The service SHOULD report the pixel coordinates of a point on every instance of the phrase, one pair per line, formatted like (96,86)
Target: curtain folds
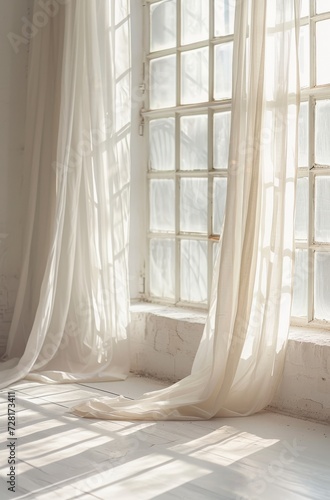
(241,355)
(72,307)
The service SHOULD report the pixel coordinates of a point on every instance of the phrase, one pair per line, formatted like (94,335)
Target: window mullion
(177,154)
(145,273)
(177,208)
(311,184)
(178,54)
(210,200)
(312,47)
(211,51)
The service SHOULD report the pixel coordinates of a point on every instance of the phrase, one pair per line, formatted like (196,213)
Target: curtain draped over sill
(71,312)
(241,355)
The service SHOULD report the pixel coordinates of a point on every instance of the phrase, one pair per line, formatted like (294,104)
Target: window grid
(312,95)
(208,107)
(310,171)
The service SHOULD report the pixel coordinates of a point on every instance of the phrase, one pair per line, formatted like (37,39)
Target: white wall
(13,72)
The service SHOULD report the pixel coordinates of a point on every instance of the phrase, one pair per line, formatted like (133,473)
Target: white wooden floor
(267,456)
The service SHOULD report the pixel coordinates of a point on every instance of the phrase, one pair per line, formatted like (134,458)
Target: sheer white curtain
(71,312)
(240,359)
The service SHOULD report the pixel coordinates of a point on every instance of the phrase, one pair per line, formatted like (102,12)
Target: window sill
(164,341)
(315,333)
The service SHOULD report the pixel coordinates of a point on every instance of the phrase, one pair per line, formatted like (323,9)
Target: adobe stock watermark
(126,446)
(275,470)
(121,450)
(89,142)
(75,329)
(40,18)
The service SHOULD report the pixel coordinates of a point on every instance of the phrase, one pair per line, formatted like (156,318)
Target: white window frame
(310,95)
(209,108)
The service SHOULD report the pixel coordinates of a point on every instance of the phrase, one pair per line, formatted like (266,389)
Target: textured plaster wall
(305,388)
(163,343)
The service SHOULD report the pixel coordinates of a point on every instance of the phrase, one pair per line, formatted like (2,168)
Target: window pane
(322,6)
(163,82)
(322,52)
(271,14)
(224,17)
(193,205)
(162,268)
(195,76)
(223,55)
(195,21)
(193,271)
(221,139)
(300,290)
(215,251)
(162,144)
(322,286)
(219,203)
(303,56)
(270,57)
(322,132)
(303,135)
(162,203)
(322,209)
(304,61)
(163,25)
(301,226)
(193,143)
(305,8)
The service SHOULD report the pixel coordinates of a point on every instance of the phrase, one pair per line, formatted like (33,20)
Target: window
(187,113)
(311,300)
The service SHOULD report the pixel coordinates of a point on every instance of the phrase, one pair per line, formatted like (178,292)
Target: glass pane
(322,6)
(304,60)
(322,54)
(303,56)
(322,209)
(195,76)
(301,226)
(305,8)
(300,289)
(270,57)
(223,55)
(303,135)
(322,286)
(219,203)
(215,251)
(221,139)
(163,25)
(162,144)
(271,14)
(162,268)
(273,119)
(162,203)
(163,82)
(194,271)
(322,132)
(195,21)
(193,143)
(224,17)
(193,205)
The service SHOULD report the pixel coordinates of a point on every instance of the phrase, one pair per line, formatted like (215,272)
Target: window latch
(141,126)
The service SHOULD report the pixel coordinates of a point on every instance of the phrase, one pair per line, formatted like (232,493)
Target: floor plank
(265,456)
